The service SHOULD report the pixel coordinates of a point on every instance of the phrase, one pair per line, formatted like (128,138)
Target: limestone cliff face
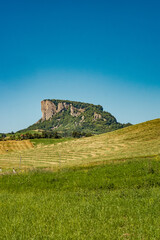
(49,109)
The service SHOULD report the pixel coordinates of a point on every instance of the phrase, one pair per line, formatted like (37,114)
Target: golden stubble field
(12,146)
(140,140)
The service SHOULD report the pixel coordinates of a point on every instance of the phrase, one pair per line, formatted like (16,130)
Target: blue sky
(96,51)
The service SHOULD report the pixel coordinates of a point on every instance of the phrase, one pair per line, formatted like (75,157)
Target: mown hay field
(14,146)
(140,140)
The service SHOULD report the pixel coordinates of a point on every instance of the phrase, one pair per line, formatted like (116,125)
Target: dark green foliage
(78,104)
(2,136)
(50,134)
(76,134)
(34,135)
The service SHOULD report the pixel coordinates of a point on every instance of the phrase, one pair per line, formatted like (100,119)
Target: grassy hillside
(141,140)
(48,141)
(109,202)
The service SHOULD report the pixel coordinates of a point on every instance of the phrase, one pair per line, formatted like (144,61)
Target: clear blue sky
(97,51)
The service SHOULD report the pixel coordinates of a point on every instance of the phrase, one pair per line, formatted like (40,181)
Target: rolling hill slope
(136,141)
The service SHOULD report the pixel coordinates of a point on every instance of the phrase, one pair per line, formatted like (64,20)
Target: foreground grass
(114,201)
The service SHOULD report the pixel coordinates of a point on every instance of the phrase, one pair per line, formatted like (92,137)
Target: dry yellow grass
(135,141)
(9,146)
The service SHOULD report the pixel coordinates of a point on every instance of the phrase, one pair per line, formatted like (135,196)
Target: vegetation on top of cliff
(76,104)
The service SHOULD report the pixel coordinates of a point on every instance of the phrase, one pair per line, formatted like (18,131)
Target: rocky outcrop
(97,116)
(75,112)
(65,117)
(62,106)
(49,109)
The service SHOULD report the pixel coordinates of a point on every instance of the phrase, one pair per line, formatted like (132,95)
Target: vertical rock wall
(49,109)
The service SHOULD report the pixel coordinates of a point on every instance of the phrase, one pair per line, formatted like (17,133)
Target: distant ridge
(67,116)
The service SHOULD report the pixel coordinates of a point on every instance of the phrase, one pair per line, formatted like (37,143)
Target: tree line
(44,134)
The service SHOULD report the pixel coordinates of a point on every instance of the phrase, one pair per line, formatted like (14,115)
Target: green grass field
(113,201)
(101,187)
